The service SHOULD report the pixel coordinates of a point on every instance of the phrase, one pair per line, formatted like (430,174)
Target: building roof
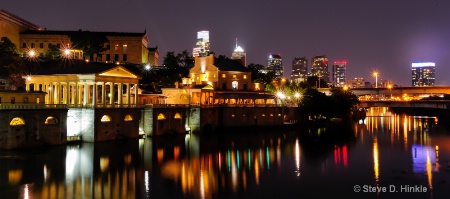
(64,66)
(229,65)
(275,56)
(6,16)
(68,32)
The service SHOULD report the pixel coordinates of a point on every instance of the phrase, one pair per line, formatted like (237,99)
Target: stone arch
(128,118)
(51,120)
(105,118)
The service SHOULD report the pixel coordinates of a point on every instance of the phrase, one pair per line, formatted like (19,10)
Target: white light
(147,67)
(28,78)
(423,64)
(238,49)
(31,53)
(67,51)
(297,95)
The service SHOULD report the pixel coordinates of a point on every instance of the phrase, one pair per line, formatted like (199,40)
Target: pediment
(118,71)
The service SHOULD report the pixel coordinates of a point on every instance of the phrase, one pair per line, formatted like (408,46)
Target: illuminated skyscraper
(319,67)
(423,74)
(275,64)
(338,72)
(299,69)
(239,55)
(201,48)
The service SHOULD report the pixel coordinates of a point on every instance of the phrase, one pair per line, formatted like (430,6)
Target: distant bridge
(438,104)
(402,90)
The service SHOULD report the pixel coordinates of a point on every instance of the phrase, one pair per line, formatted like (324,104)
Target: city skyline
(385,36)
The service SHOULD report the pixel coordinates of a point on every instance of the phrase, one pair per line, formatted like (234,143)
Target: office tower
(423,74)
(299,69)
(319,67)
(357,82)
(275,64)
(239,55)
(338,73)
(201,48)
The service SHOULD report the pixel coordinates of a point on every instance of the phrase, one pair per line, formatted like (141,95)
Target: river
(386,155)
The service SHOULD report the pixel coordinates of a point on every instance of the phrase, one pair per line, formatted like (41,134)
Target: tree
(258,76)
(343,102)
(90,42)
(11,65)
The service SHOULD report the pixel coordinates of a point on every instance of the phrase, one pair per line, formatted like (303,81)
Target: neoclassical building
(79,83)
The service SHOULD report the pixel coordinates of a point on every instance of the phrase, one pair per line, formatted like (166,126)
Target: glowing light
(423,64)
(29,78)
(17,121)
(31,53)
(147,67)
(67,52)
(375,160)
(297,95)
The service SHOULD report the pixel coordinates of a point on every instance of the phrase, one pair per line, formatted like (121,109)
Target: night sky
(383,35)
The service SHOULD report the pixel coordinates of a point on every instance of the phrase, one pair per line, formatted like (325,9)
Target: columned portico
(82,90)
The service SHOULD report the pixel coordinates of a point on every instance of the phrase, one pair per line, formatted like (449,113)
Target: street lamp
(376,79)
(390,89)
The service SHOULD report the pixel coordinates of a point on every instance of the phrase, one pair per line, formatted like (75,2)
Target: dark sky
(383,35)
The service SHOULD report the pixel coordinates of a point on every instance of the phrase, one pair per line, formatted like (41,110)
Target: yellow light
(67,51)
(31,53)
(345,87)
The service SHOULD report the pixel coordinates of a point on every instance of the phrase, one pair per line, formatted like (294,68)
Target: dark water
(389,152)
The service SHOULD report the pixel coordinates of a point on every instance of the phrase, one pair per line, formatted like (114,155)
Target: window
(125,48)
(116,57)
(177,116)
(41,45)
(32,45)
(108,57)
(105,118)
(128,118)
(25,100)
(49,45)
(224,86)
(17,121)
(116,47)
(24,45)
(161,116)
(214,76)
(13,100)
(223,75)
(234,84)
(41,54)
(124,56)
(51,120)
(245,87)
(245,76)
(108,46)
(234,76)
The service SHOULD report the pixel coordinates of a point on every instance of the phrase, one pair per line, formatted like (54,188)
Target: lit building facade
(338,72)
(275,64)
(357,82)
(299,69)
(202,46)
(239,55)
(34,41)
(423,74)
(319,67)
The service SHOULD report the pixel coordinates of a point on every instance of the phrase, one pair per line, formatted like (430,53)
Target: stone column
(77,93)
(103,94)
(94,94)
(136,88)
(119,95)
(128,94)
(112,92)
(85,94)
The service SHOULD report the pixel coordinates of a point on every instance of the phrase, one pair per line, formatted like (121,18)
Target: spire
(236,42)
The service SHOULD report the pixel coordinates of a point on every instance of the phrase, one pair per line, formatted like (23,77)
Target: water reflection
(381,150)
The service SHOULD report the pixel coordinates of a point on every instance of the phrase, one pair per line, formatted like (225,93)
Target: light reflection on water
(379,151)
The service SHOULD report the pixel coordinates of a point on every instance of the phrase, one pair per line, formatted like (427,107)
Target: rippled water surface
(386,156)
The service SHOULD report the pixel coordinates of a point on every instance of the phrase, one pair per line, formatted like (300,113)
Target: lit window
(271,115)
(214,76)
(232,115)
(128,118)
(17,121)
(116,47)
(177,116)
(224,76)
(125,47)
(234,76)
(105,118)
(161,116)
(245,76)
(51,120)
(264,115)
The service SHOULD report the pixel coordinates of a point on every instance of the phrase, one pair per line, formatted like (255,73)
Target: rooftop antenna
(236,42)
